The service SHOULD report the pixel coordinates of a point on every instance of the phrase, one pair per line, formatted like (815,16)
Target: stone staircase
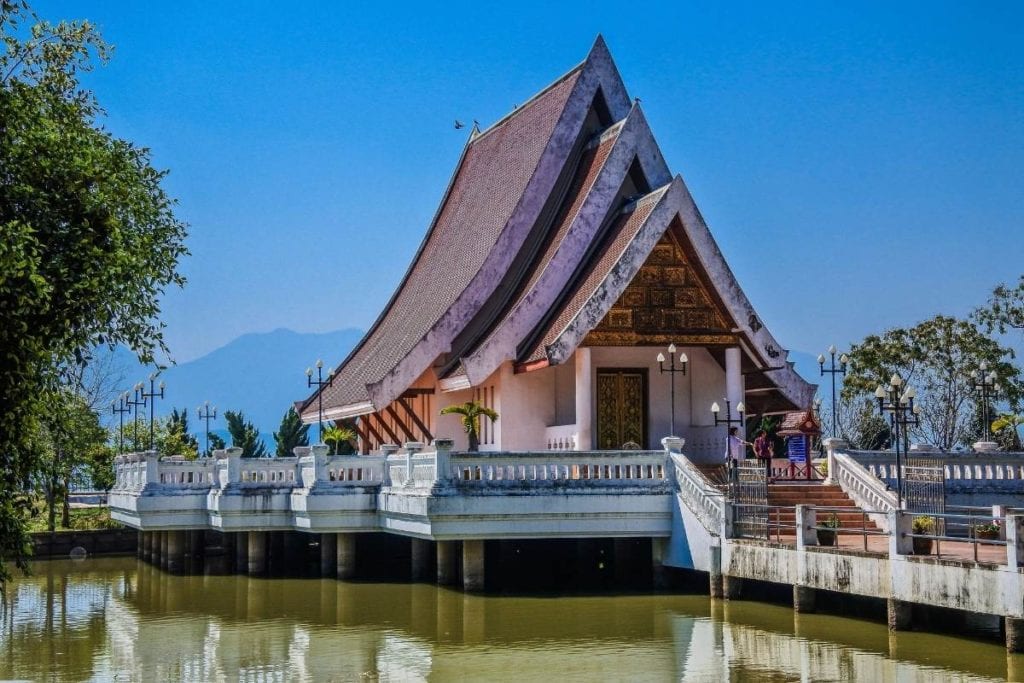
(789,495)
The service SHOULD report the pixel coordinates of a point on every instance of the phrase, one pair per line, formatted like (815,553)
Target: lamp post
(728,420)
(833,371)
(903,413)
(138,400)
(985,383)
(205,413)
(672,370)
(152,394)
(319,383)
(119,408)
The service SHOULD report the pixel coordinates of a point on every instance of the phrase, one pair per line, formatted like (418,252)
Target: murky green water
(120,620)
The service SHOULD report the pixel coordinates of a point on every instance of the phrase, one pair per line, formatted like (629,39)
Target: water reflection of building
(143,624)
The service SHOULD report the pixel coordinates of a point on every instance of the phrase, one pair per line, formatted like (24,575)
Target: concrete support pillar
(163,549)
(1014,628)
(733,377)
(420,559)
(584,400)
(197,543)
(716,585)
(346,555)
(147,546)
(257,555)
(473,565)
(241,552)
(806,520)
(732,587)
(804,599)
(447,562)
(176,551)
(328,555)
(659,572)
(900,614)
(623,560)
(140,544)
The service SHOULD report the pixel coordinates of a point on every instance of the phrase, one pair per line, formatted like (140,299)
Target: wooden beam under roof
(417,391)
(384,425)
(427,436)
(371,430)
(401,423)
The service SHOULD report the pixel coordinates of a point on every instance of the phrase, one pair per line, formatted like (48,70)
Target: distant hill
(261,374)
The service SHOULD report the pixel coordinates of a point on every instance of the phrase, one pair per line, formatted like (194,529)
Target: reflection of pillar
(473,617)
(346,555)
(473,565)
(447,562)
(257,563)
(899,614)
(584,401)
(328,555)
(420,559)
(733,377)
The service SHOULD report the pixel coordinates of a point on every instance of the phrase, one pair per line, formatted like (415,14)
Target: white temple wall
(450,426)
(528,407)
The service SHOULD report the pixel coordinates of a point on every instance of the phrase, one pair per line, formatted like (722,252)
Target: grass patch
(82,519)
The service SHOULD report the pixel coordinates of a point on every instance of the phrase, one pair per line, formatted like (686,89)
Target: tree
(1007,430)
(88,239)
(216,443)
(245,435)
(338,435)
(936,357)
(290,434)
(177,427)
(859,423)
(1004,310)
(471,412)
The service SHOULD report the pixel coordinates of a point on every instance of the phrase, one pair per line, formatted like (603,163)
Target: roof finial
(476,129)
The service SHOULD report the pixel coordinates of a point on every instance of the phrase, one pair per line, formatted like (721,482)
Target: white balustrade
(602,468)
(957,466)
(699,494)
(561,437)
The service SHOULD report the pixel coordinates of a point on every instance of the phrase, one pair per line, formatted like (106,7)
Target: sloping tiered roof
(555,219)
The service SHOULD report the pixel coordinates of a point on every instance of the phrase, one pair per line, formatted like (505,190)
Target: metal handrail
(863,530)
(972,523)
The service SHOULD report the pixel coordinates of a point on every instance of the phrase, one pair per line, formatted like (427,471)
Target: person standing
(764,451)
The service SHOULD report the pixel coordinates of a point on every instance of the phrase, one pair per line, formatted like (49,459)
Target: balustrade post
(442,461)
(307,466)
(832,444)
(1014,530)
(411,449)
(900,524)
(152,475)
(806,520)
(728,520)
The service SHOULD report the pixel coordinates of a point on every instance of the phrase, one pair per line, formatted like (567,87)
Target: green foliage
(99,466)
(168,439)
(88,239)
(290,434)
(471,412)
(936,357)
(831,521)
(216,443)
(337,435)
(922,524)
(245,435)
(1007,431)
(1004,310)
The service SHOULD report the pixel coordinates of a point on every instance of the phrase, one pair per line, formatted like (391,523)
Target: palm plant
(1010,438)
(338,435)
(471,412)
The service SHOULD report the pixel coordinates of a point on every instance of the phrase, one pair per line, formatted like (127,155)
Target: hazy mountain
(261,374)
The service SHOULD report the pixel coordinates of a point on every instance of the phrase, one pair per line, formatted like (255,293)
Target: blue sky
(859,163)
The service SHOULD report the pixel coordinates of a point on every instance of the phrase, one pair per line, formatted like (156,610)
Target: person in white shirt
(735,448)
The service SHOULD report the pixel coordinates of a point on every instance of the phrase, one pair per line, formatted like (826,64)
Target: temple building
(563,259)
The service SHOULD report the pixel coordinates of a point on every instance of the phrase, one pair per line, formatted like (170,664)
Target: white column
(733,378)
(584,400)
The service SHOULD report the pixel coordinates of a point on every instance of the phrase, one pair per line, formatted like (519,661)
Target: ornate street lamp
(319,383)
(987,386)
(728,420)
(903,413)
(138,401)
(204,412)
(120,407)
(152,394)
(833,371)
(672,370)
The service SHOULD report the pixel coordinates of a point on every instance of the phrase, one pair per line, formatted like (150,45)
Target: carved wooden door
(621,408)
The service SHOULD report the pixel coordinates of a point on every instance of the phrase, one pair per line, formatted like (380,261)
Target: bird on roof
(459,124)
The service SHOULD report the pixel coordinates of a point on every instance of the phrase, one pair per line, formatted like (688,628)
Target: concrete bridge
(451,504)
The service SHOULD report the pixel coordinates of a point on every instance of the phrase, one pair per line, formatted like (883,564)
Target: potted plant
(471,411)
(988,531)
(827,532)
(923,525)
